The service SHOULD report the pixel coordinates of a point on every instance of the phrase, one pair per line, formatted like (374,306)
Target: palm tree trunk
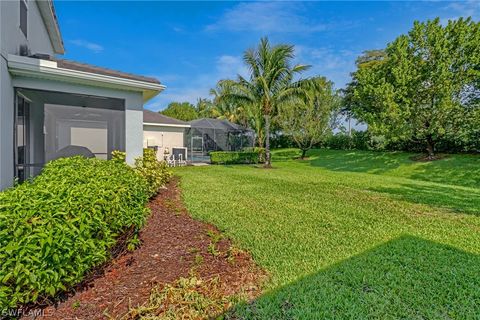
(268,163)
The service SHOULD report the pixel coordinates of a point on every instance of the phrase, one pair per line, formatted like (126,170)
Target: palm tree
(270,83)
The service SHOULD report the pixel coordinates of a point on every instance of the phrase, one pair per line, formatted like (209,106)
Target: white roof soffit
(45,69)
(166,125)
(46,11)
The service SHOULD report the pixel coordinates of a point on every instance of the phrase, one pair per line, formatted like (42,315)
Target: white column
(133,127)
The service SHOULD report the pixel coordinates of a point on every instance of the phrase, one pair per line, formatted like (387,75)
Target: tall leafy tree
(308,120)
(269,84)
(424,87)
(180,110)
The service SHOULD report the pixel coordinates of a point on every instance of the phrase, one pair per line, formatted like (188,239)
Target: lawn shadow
(458,169)
(408,278)
(458,199)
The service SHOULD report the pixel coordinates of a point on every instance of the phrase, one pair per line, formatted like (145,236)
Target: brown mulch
(172,243)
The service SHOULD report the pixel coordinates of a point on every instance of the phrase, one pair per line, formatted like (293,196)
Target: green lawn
(352,234)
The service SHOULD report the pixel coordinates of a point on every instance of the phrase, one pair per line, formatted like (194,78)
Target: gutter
(50,20)
(166,125)
(31,67)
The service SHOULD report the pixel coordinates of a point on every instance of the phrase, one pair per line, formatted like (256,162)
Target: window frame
(21,27)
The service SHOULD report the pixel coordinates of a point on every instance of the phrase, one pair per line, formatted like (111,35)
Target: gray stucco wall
(11,37)
(6,126)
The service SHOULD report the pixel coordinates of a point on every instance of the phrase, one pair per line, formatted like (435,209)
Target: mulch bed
(171,244)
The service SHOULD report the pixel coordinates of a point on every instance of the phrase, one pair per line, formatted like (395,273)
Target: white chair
(171,161)
(181,161)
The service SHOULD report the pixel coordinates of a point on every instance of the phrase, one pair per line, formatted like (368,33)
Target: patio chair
(181,161)
(171,161)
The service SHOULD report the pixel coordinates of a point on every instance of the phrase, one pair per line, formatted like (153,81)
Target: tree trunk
(304,153)
(267,142)
(430,148)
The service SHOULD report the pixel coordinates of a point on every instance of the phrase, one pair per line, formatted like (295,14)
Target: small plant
(155,172)
(198,259)
(214,236)
(133,243)
(232,252)
(213,250)
(76,305)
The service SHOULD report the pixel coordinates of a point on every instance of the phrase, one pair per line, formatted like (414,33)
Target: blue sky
(189,46)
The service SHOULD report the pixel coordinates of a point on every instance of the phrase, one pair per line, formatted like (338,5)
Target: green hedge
(231,157)
(54,229)
(260,151)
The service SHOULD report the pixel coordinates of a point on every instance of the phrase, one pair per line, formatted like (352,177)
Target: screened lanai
(206,135)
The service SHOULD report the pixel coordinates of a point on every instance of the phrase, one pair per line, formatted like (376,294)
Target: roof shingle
(155,117)
(73,65)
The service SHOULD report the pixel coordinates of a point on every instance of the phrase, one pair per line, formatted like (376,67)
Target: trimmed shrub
(155,172)
(260,151)
(231,157)
(56,228)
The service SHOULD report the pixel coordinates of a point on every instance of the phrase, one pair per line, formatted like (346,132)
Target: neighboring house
(51,107)
(163,133)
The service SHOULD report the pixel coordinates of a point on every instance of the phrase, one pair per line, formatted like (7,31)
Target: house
(163,133)
(51,107)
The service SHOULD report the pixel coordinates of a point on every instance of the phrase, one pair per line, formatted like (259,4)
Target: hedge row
(56,228)
(232,157)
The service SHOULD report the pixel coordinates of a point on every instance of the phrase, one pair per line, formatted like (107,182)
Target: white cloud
(465,8)
(88,45)
(457,9)
(229,67)
(336,65)
(266,17)
(191,88)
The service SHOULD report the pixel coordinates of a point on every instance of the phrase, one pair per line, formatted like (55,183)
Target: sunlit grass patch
(377,236)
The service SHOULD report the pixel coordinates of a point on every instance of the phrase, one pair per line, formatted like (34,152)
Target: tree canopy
(308,120)
(423,87)
(181,110)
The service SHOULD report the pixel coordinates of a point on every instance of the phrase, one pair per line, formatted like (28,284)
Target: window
(23,16)
(22,141)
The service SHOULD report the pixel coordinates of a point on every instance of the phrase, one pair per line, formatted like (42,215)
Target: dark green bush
(339,141)
(231,157)
(54,229)
(260,151)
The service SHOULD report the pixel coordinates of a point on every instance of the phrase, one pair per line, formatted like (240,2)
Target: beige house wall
(163,137)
